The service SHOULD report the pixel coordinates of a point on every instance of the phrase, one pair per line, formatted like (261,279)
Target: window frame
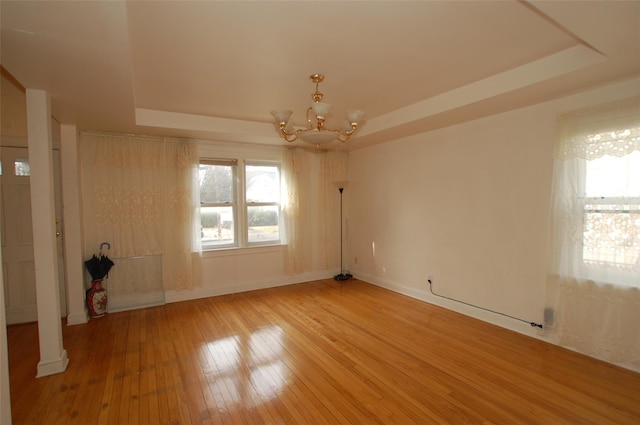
(603,270)
(233,204)
(608,244)
(590,206)
(277,204)
(240,204)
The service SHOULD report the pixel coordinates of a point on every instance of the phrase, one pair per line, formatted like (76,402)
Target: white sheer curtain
(139,195)
(594,280)
(296,171)
(311,208)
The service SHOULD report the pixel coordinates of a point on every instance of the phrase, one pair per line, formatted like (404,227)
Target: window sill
(247,250)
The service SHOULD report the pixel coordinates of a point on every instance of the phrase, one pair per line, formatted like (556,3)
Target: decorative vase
(97,299)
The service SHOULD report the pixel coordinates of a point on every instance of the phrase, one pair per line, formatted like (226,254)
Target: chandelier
(315,133)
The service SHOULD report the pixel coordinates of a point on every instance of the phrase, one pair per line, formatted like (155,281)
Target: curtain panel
(139,195)
(296,208)
(310,208)
(593,285)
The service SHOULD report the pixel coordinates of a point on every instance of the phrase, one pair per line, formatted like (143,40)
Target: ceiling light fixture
(316,133)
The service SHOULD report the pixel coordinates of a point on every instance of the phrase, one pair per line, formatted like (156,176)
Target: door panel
(23,204)
(28,280)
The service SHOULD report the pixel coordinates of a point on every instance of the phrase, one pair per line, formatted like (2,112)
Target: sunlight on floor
(265,377)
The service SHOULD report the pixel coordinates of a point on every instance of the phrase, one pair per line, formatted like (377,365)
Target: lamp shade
(354,115)
(321,109)
(281,115)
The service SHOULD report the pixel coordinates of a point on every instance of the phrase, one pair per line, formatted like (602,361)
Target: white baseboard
(77,319)
(135,301)
(426,296)
(51,367)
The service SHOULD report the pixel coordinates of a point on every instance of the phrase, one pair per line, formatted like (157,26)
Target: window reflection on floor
(247,371)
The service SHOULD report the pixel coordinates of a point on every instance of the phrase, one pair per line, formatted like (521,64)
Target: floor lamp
(342,275)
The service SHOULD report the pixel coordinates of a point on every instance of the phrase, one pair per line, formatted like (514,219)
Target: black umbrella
(99,267)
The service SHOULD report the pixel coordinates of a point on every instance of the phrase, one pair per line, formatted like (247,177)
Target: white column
(72,229)
(53,356)
(5,393)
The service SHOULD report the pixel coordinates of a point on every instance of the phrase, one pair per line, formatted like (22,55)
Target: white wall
(467,205)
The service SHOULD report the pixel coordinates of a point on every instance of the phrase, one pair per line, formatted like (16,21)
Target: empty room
(320,212)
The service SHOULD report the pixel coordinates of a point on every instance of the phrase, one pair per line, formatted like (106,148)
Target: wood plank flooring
(322,352)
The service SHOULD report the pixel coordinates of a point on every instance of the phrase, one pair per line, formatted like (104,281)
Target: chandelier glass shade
(316,133)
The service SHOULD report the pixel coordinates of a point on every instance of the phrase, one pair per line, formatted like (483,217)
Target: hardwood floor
(323,352)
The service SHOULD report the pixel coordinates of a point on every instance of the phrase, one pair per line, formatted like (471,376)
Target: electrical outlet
(549,317)
(355,260)
(430,278)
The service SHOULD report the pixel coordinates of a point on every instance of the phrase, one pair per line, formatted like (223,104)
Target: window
(612,212)
(22,167)
(239,206)
(217,203)
(596,203)
(263,203)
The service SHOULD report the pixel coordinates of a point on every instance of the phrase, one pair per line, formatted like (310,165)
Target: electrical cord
(533,324)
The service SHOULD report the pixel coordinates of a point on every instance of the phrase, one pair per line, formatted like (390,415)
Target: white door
(17,237)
